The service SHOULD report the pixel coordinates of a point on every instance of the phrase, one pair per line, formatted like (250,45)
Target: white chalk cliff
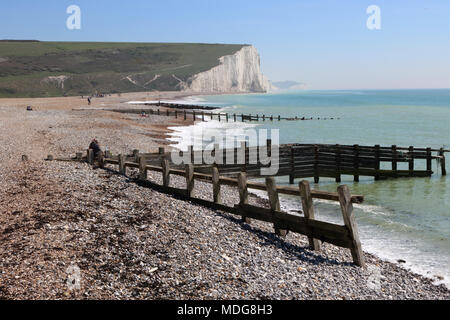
(239,72)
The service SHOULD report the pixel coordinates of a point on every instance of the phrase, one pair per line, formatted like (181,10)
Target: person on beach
(95,147)
(89,101)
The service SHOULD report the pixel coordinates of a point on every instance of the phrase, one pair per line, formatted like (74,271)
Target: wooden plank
(316,164)
(308,210)
(377,162)
(350,223)
(338,164)
(274,202)
(394,159)
(292,166)
(136,155)
(442,161)
(142,169)
(90,156)
(324,231)
(122,169)
(189,168)
(356,162)
(428,159)
(216,185)
(165,172)
(243,193)
(411,161)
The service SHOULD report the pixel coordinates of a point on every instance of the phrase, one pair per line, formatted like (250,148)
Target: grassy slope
(101,67)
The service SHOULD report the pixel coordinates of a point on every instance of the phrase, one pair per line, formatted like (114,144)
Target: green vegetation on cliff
(44,69)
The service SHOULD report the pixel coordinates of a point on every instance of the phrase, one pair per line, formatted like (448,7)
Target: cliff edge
(238,72)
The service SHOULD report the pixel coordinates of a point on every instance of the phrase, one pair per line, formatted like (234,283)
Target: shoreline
(47,205)
(398,261)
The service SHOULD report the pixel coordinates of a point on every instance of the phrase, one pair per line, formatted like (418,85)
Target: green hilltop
(46,69)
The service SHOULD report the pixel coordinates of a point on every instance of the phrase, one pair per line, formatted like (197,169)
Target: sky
(325,44)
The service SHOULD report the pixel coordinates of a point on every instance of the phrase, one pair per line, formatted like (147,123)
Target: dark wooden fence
(345,235)
(314,161)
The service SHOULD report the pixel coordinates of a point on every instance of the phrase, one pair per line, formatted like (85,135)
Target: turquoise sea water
(406,218)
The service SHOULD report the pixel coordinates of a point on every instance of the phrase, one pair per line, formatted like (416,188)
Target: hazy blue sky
(325,44)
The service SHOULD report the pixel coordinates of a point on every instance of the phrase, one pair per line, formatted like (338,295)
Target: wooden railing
(345,235)
(315,161)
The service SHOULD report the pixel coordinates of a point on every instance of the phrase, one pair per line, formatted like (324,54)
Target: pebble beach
(131,242)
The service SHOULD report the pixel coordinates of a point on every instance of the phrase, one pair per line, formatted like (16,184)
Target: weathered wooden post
(234,116)
(394,160)
(158,112)
(184,113)
(411,161)
(429,168)
(219,115)
(264,117)
(377,162)
(274,203)
(243,149)
(167,112)
(338,163)
(142,168)
(442,160)
(193,115)
(216,185)
(345,201)
(90,156)
(243,193)
(176,114)
(308,210)
(161,151)
(316,164)
(279,117)
(122,164)
(203,116)
(50,157)
(189,180)
(136,155)
(356,163)
(101,160)
(226,115)
(191,151)
(165,172)
(291,161)
(242,117)
(79,156)
(257,117)
(271,118)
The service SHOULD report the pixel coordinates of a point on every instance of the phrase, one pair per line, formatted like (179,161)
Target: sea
(405,219)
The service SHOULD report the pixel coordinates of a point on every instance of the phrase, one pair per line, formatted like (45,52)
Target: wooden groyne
(181,106)
(294,160)
(345,235)
(315,161)
(219,116)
